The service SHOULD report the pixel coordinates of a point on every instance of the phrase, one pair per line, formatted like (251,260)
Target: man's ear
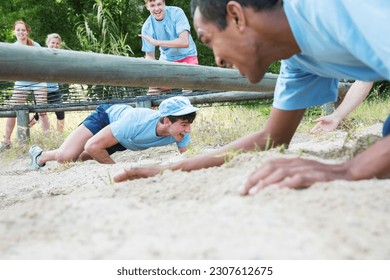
(235,14)
(166,121)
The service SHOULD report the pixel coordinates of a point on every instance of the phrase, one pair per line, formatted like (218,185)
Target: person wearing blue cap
(113,128)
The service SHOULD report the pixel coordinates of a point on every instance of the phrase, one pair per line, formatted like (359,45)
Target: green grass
(220,124)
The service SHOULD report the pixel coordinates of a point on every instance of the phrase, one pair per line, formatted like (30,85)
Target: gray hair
(215,11)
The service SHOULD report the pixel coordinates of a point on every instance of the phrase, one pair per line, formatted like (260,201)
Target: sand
(74,212)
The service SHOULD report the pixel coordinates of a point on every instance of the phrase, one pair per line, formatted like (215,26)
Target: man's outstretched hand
(137,173)
(292,173)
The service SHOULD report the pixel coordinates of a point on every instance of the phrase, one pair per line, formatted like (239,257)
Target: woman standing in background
(22,89)
(54,95)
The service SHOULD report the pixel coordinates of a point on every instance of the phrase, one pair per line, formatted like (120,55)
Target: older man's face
(235,47)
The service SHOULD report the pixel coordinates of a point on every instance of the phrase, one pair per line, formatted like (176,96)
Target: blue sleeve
(147,29)
(181,23)
(296,89)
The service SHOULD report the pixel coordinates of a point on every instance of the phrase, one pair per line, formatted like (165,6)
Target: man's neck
(274,27)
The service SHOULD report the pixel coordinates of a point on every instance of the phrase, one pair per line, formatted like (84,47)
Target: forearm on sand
(252,142)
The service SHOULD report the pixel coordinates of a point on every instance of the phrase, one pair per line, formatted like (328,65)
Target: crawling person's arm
(299,173)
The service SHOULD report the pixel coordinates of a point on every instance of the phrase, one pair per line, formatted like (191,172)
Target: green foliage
(128,15)
(102,34)
(5,92)
(63,16)
(380,90)
(205,54)
(274,67)
(44,17)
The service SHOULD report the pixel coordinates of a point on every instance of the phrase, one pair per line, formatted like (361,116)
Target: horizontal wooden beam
(65,66)
(228,96)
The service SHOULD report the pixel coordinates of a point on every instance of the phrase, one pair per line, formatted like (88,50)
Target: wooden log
(23,130)
(63,66)
(229,96)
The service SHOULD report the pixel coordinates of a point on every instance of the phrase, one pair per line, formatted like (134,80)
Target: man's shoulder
(121,106)
(173,10)
(138,116)
(143,113)
(147,22)
(112,109)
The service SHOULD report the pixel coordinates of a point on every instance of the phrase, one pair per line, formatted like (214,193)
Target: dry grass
(47,142)
(219,125)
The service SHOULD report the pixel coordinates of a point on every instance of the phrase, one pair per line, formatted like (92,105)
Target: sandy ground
(74,212)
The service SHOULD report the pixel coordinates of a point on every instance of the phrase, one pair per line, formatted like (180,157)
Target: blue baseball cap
(176,106)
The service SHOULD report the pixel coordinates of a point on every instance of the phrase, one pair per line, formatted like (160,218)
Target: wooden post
(143,103)
(23,130)
(328,108)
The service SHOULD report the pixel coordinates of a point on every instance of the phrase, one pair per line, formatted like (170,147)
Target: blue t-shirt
(338,39)
(52,87)
(135,128)
(173,24)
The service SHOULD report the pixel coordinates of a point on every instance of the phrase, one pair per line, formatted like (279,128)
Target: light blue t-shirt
(52,87)
(338,39)
(135,128)
(173,24)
